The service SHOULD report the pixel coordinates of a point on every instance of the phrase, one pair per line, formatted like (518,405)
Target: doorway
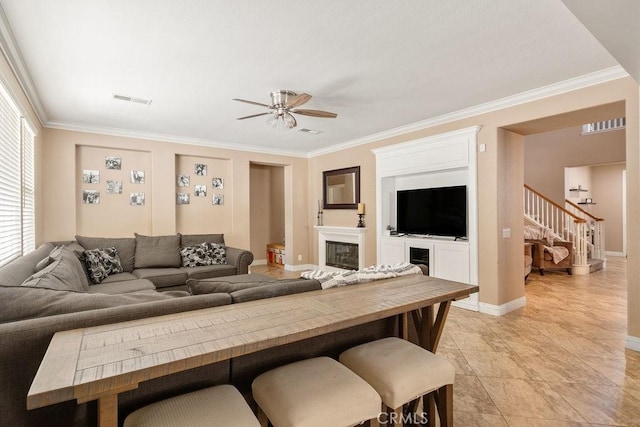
(267,208)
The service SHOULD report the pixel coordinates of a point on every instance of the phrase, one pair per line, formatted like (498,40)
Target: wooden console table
(97,363)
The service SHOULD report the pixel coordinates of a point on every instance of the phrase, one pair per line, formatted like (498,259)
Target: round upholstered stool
(314,392)
(220,405)
(401,372)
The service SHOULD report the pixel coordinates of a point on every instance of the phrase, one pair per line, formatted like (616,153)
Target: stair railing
(567,226)
(595,229)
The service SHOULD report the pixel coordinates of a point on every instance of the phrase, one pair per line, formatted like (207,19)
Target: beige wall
(606,182)
(60,184)
(548,153)
(267,208)
(499,281)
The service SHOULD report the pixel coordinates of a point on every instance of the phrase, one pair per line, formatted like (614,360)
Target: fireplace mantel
(354,235)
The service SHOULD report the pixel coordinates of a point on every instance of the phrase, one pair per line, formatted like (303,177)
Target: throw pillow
(101,263)
(195,256)
(157,251)
(217,253)
(126,247)
(64,273)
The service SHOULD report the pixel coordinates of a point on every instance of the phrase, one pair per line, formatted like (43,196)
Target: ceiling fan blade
(252,102)
(298,100)
(253,115)
(316,113)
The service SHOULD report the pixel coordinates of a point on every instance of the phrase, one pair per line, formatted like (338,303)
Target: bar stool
(402,372)
(221,405)
(316,392)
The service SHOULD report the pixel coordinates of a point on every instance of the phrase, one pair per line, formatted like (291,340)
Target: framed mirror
(341,188)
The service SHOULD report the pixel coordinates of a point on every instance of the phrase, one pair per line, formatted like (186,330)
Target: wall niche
(203,191)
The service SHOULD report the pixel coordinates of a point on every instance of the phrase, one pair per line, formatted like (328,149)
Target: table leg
(108,411)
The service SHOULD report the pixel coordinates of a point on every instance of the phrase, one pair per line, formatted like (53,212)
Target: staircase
(572,224)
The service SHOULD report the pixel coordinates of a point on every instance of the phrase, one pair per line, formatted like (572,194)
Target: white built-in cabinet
(442,160)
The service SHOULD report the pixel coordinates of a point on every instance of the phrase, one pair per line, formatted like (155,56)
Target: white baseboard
(301,267)
(618,254)
(501,310)
(633,343)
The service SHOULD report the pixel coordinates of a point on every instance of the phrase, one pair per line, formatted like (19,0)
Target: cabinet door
(452,262)
(391,251)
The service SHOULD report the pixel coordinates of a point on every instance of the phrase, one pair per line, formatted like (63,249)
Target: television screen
(440,211)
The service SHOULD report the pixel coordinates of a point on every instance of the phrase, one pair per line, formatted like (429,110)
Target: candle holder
(360,220)
(320,217)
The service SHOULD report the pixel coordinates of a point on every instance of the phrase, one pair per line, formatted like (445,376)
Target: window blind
(17,213)
(28,190)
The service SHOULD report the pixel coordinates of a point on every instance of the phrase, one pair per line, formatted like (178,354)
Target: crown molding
(558,88)
(10,49)
(12,53)
(126,133)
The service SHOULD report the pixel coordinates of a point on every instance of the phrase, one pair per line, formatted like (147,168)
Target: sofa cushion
(119,277)
(210,271)
(196,239)
(122,287)
(63,273)
(101,263)
(275,289)
(157,251)
(18,270)
(227,285)
(162,277)
(29,302)
(126,247)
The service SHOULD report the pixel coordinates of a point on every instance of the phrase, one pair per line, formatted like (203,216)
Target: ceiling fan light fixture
(283,104)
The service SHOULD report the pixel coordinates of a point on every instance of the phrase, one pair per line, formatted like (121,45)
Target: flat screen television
(440,211)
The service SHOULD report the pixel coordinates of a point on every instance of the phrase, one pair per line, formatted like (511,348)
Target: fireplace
(342,255)
(341,248)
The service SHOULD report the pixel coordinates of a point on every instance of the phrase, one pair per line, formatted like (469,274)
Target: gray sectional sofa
(31,315)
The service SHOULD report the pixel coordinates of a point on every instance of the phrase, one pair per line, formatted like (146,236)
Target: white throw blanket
(558,253)
(533,232)
(330,279)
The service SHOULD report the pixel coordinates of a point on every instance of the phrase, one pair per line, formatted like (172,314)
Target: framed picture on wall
(114,187)
(113,162)
(137,177)
(90,176)
(183,198)
(200,169)
(218,199)
(200,191)
(91,197)
(217,183)
(136,199)
(183,180)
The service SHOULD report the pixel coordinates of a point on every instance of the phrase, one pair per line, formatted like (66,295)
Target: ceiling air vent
(305,130)
(132,99)
(603,126)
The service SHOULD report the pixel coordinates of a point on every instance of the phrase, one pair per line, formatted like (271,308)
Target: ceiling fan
(283,104)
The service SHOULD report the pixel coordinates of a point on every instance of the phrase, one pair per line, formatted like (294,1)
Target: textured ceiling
(378,64)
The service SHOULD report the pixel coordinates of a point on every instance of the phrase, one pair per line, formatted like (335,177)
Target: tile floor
(559,361)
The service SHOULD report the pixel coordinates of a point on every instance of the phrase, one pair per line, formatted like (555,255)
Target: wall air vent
(305,130)
(132,99)
(603,126)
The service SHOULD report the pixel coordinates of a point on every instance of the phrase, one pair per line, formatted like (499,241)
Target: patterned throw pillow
(101,263)
(217,252)
(195,256)
(203,254)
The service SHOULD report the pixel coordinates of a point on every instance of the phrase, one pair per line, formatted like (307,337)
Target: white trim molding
(501,310)
(633,343)
(301,267)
